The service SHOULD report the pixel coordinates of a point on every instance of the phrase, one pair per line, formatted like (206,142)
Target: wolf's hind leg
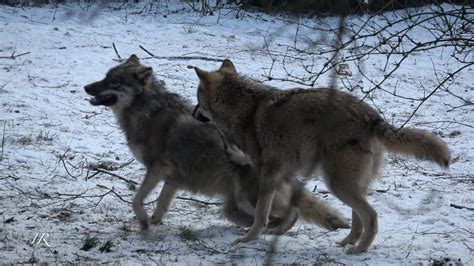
(357,200)
(356,231)
(164,201)
(287,222)
(147,186)
(348,174)
(232,212)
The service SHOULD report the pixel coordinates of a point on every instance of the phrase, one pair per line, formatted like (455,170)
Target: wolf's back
(411,141)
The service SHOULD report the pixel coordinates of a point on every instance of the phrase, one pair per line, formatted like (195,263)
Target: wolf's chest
(137,151)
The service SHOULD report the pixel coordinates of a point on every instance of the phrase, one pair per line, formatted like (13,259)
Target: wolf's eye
(114,84)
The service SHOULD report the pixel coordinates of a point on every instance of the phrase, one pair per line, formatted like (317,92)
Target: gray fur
(289,131)
(188,154)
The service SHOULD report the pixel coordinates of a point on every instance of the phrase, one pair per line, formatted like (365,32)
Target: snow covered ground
(53,142)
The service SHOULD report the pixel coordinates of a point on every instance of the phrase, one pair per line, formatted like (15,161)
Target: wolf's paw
(342,243)
(253,233)
(244,239)
(237,241)
(356,250)
(240,240)
(278,231)
(346,241)
(144,225)
(351,238)
(155,220)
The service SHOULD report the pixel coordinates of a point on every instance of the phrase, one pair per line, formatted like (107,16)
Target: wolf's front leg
(164,201)
(270,178)
(244,205)
(147,186)
(262,211)
(287,222)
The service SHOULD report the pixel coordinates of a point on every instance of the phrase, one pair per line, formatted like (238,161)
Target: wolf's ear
(144,74)
(133,60)
(203,75)
(228,66)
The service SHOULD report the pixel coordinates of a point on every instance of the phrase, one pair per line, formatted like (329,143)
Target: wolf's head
(211,87)
(121,84)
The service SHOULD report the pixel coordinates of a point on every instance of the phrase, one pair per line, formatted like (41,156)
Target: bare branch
(116,52)
(128,181)
(200,201)
(461,207)
(13,56)
(203,58)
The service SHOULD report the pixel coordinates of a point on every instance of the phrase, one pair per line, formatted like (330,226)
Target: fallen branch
(146,51)
(112,191)
(324,192)
(468,247)
(114,175)
(116,52)
(13,56)
(67,170)
(456,206)
(383,190)
(3,139)
(203,58)
(200,201)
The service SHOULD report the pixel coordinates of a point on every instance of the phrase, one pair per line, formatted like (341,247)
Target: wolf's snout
(90,89)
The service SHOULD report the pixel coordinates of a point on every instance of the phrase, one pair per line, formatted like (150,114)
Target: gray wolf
(188,154)
(302,130)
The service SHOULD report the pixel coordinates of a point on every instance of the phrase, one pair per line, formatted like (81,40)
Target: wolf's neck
(238,109)
(146,111)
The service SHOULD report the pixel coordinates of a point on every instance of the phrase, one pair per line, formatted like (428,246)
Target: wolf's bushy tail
(411,141)
(316,211)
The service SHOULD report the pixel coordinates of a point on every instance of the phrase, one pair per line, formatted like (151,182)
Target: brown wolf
(298,130)
(188,154)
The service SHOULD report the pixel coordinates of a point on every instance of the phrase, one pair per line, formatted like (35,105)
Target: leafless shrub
(393,38)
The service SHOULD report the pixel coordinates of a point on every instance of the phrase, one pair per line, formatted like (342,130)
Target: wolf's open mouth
(106,100)
(198,115)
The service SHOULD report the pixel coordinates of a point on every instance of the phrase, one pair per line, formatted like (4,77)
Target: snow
(51,134)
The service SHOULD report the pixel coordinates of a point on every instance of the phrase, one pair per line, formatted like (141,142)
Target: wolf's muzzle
(91,89)
(198,115)
(107,100)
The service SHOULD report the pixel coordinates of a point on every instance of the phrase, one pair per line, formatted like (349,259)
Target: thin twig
(67,170)
(468,247)
(112,190)
(444,122)
(383,190)
(200,201)
(146,51)
(3,139)
(115,175)
(450,76)
(13,56)
(203,58)
(116,52)
(410,247)
(461,207)
(339,47)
